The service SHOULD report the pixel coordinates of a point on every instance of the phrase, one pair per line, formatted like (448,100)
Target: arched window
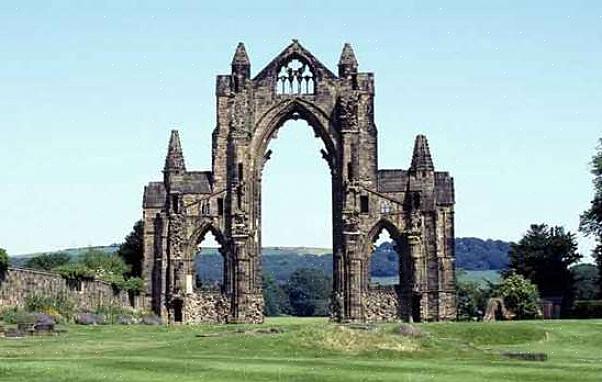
(208,263)
(384,261)
(295,77)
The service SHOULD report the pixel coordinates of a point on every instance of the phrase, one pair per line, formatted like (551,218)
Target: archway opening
(384,261)
(296,220)
(209,263)
(178,306)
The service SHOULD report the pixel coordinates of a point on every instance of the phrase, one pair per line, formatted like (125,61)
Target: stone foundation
(18,284)
(381,303)
(206,307)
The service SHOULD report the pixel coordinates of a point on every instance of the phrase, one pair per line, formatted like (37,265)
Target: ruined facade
(416,206)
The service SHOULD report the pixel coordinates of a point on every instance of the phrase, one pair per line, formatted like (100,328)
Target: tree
(586,281)
(48,261)
(520,296)
(544,256)
(472,299)
(4,262)
(591,220)
(275,298)
(308,292)
(132,249)
(103,265)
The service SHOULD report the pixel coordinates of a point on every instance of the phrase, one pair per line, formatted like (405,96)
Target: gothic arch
(294,108)
(199,233)
(227,199)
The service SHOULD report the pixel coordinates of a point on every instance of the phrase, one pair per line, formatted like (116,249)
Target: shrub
(472,300)
(520,296)
(75,271)
(134,285)
(18,316)
(59,306)
(588,309)
(23,318)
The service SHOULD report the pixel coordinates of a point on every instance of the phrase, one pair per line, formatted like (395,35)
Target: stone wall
(18,284)
(207,307)
(381,303)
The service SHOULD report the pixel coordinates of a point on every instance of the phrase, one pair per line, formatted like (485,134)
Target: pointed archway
(416,204)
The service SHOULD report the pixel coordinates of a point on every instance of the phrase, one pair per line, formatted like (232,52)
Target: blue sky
(508,93)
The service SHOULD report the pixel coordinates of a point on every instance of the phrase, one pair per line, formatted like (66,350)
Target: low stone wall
(213,307)
(206,307)
(19,283)
(381,303)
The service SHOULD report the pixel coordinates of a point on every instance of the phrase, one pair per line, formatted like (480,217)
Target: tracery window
(295,77)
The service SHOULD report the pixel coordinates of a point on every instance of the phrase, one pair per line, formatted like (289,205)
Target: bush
(75,271)
(520,296)
(60,306)
(472,300)
(21,317)
(587,309)
(7,315)
(134,285)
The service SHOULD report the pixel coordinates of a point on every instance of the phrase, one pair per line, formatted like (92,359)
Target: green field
(295,349)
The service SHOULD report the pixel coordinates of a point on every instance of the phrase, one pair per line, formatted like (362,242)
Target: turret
(347,63)
(241,65)
(421,159)
(174,161)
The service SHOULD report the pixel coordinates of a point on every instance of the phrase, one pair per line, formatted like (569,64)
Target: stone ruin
(416,205)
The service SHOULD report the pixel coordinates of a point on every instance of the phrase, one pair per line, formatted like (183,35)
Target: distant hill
(482,259)
(472,254)
(20,260)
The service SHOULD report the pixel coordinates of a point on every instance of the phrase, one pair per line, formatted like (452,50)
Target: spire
(347,63)
(175,158)
(422,160)
(241,64)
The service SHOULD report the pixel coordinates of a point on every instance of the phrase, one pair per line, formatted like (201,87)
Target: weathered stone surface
(207,307)
(381,304)
(416,206)
(18,284)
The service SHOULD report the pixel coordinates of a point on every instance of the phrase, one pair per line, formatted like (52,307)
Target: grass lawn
(306,350)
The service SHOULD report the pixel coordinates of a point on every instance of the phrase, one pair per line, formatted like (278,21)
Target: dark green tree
(275,298)
(308,292)
(471,299)
(48,261)
(586,278)
(544,256)
(4,262)
(132,249)
(591,220)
